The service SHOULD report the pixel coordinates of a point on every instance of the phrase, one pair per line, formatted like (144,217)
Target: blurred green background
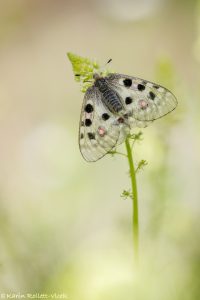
(63,226)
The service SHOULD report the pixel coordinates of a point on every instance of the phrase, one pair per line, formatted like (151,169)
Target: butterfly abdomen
(110,98)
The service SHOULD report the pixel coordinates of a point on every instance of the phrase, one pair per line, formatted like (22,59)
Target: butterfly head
(96,76)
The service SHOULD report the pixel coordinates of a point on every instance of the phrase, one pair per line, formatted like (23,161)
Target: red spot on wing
(120,120)
(143,104)
(101,131)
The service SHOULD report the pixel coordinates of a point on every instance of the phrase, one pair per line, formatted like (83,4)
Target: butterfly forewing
(98,132)
(144,100)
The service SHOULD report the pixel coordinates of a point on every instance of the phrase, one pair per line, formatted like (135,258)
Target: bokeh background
(63,226)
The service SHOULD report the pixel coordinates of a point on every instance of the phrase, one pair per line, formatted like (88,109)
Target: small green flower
(126,194)
(84,69)
(141,165)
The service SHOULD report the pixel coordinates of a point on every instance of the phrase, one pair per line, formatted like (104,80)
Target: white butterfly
(113,105)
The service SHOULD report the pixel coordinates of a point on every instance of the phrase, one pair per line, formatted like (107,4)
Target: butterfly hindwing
(99,131)
(144,100)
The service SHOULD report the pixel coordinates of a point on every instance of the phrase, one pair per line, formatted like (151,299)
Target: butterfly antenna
(103,67)
(109,61)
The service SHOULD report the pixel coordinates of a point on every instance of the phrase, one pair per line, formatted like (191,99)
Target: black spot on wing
(105,116)
(91,136)
(141,87)
(88,122)
(128,100)
(127,82)
(152,95)
(89,108)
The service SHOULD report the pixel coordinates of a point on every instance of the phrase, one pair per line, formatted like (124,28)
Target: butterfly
(115,104)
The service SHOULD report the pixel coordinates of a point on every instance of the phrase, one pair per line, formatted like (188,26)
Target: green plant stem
(134,199)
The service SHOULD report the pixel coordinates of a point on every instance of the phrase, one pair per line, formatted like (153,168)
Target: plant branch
(113,152)
(134,197)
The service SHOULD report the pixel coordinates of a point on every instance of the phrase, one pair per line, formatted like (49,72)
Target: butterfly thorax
(110,98)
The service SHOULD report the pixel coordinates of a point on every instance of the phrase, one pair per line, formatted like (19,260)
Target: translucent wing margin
(144,100)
